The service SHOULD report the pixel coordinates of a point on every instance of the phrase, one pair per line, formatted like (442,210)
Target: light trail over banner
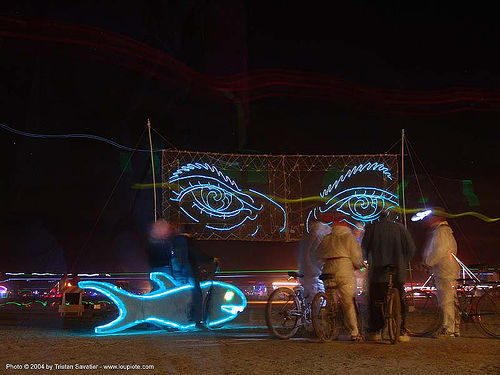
(113,48)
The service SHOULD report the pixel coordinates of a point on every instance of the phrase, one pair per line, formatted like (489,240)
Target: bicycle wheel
(359,317)
(422,312)
(462,300)
(393,315)
(488,313)
(323,317)
(282,313)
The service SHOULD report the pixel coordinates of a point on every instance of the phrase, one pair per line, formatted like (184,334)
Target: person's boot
(404,336)
(443,333)
(357,338)
(374,336)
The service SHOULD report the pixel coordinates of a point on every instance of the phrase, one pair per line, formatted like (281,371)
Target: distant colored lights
(3,291)
(278,284)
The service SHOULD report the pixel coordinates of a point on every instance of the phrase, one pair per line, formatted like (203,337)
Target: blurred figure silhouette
(438,256)
(308,265)
(186,257)
(340,252)
(160,248)
(385,243)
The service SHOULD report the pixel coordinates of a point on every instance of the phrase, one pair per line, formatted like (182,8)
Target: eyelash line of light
(224,186)
(351,172)
(189,167)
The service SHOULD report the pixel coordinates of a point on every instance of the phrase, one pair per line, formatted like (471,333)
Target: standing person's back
(441,245)
(386,243)
(187,255)
(439,255)
(341,255)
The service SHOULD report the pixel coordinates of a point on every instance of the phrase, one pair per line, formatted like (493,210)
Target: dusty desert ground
(242,348)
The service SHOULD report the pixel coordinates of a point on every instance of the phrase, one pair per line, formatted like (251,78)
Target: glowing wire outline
(157,294)
(227,186)
(272,201)
(351,172)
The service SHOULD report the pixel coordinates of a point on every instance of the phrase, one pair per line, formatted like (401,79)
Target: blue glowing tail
(121,298)
(165,306)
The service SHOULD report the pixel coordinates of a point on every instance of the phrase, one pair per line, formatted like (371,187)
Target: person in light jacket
(438,255)
(308,267)
(340,254)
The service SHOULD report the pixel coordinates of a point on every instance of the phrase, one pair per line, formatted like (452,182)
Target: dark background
(68,204)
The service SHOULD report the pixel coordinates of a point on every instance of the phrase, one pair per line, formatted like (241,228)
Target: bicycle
(422,312)
(391,307)
(488,311)
(473,305)
(327,315)
(287,310)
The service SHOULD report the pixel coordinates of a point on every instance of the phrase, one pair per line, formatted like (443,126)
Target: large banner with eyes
(274,197)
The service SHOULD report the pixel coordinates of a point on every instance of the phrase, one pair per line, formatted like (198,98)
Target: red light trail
(244,87)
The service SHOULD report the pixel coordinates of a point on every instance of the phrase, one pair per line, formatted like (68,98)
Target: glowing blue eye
(362,204)
(218,201)
(209,197)
(219,198)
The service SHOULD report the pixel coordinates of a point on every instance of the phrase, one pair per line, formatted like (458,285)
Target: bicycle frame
(469,292)
(303,306)
(296,315)
(391,314)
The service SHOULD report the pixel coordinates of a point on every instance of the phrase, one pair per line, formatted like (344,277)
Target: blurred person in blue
(159,247)
(308,265)
(438,255)
(186,257)
(386,242)
(340,253)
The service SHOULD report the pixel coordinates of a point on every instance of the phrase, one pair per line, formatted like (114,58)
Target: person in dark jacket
(386,243)
(185,261)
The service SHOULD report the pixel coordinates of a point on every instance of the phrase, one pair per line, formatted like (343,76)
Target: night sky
(234,76)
